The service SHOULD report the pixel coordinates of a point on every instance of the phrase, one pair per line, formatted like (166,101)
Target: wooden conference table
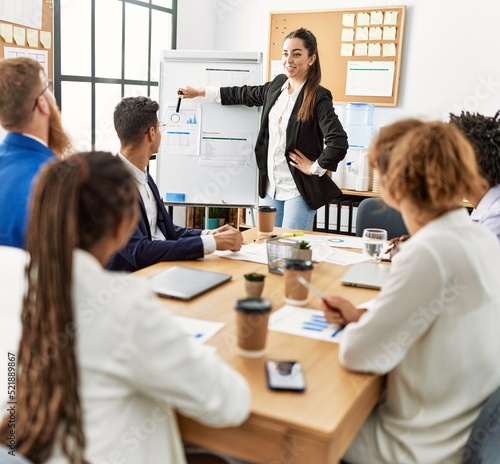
(312,427)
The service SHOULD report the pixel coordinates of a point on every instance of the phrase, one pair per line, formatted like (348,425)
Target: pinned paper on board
(347,35)
(376,17)
(32,35)
(391,17)
(348,19)
(370,78)
(20,36)
(346,49)
(389,33)
(41,56)
(46,39)
(374,49)
(389,49)
(361,49)
(25,12)
(375,33)
(6,32)
(182,129)
(361,33)
(363,19)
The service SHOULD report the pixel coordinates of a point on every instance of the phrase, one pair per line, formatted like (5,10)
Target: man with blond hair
(31,117)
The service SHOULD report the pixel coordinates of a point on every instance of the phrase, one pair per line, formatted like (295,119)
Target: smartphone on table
(285,375)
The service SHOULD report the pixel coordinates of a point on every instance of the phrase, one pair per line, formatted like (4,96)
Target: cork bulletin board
(360,50)
(26,29)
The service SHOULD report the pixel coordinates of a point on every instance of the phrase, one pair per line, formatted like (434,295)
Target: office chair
(5,458)
(483,444)
(373,212)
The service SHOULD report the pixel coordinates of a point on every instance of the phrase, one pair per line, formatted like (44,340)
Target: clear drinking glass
(374,243)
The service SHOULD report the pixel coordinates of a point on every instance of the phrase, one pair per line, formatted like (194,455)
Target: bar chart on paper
(304,322)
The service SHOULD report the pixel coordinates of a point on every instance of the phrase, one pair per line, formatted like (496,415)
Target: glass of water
(374,243)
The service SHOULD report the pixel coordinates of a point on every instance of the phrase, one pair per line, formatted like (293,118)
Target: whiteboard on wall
(207,150)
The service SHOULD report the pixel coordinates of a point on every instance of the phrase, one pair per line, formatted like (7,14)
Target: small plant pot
(213,223)
(306,255)
(254,289)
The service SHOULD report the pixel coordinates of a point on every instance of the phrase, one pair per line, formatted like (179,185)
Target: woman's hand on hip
(300,161)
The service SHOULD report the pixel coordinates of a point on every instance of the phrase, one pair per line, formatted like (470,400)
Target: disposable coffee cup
(295,293)
(252,316)
(265,220)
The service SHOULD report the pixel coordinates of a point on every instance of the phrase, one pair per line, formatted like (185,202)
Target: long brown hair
(75,203)
(306,110)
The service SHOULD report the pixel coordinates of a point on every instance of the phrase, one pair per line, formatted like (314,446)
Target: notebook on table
(185,283)
(366,275)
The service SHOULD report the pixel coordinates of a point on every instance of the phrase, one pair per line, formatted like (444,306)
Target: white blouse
(435,329)
(137,368)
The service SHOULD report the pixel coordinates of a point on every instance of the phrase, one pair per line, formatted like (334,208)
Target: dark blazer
(321,138)
(141,251)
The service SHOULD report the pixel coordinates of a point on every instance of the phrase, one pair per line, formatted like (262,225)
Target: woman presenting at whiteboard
(300,136)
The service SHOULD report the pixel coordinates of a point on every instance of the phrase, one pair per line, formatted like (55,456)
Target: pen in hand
(320,295)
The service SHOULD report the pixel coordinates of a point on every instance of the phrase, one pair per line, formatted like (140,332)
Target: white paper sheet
(24,12)
(347,35)
(253,252)
(226,148)
(304,322)
(374,49)
(348,19)
(346,241)
(391,17)
(182,131)
(389,33)
(199,330)
(346,49)
(361,33)
(370,78)
(41,56)
(363,19)
(344,257)
(376,17)
(375,33)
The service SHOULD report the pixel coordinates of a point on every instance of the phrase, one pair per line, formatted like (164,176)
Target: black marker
(179,101)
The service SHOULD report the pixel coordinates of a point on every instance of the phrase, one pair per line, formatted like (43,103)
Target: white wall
(450,56)
(196,25)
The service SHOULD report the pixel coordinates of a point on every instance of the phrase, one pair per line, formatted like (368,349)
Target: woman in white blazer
(434,329)
(102,367)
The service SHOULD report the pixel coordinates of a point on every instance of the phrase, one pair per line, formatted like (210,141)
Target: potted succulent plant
(216,217)
(304,251)
(254,283)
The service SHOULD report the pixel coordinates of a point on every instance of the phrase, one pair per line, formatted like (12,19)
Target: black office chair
(373,212)
(483,444)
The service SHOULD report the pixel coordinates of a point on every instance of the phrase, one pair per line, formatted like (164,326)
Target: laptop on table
(185,283)
(366,275)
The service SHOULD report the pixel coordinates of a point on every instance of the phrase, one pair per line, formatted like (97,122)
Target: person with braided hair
(483,132)
(101,364)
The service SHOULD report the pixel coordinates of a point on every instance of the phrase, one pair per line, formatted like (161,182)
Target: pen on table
(264,238)
(179,101)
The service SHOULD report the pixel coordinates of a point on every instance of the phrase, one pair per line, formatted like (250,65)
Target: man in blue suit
(156,237)
(28,111)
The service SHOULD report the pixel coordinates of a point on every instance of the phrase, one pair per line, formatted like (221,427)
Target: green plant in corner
(254,277)
(218,213)
(304,245)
